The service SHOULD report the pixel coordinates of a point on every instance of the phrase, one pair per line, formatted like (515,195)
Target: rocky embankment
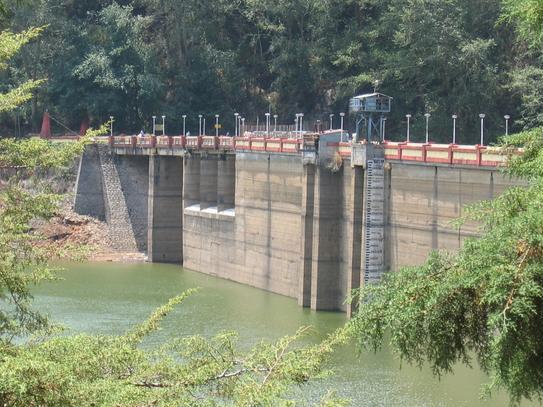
(68,230)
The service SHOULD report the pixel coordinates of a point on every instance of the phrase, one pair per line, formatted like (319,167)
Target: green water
(110,298)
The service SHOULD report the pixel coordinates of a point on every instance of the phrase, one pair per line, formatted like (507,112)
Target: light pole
(184,123)
(454,117)
(268,124)
(200,125)
(331,122)
(163,125)
(506,117)
(243,126)
(427,115)
(111,125)
(342,118)
(154,125)
(275,122)
(216,125)
(236,115)
(296,121)
(482,117)
(408,120)
(301,123)
(204,128)
(384,128)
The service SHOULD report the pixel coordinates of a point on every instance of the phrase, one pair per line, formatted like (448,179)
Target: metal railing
(451,154)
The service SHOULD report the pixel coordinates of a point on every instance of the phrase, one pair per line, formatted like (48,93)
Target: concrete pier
(165,227)
(208,182)
(191,181)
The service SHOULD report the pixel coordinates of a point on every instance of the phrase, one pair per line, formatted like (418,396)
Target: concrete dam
(309,218)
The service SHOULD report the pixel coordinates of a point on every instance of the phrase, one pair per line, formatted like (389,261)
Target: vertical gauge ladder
(374,221)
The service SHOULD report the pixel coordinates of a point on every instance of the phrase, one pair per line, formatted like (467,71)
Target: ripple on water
(110,299)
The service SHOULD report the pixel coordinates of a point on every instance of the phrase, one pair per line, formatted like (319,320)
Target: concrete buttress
(165,228)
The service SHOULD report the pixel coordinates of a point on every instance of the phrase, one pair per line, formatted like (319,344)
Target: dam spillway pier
(309,220)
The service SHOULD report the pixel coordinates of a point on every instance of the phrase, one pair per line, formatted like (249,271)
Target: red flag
(84,127)
(46,126)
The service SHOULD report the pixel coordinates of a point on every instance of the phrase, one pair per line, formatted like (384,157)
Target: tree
(195,371)
(45,369)
(527,15)
(484,303)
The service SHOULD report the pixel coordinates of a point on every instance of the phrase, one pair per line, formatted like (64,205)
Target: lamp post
(275,122)
(506,117)
(204,128)
(342,115)
(243,126)
(111,125)
(331,122)
(236,116)
(482,117)
(408,121)
(200,125)
(427,115)
(268,124)
(184,123)
(216,125)
(301,123)
(163,125)
(454,117)
(296,121)
(154,125)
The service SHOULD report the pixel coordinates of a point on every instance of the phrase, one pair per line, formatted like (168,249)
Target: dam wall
(282,222)
(422,202)
(251,232)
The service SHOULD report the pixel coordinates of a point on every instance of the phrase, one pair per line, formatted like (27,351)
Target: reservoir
(111,298)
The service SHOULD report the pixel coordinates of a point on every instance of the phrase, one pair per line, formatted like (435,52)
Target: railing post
(480,150)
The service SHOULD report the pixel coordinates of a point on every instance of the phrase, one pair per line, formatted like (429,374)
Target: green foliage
(39,154)
(528,17)
(22,262)
(10,44)
(139,58)
(103,370)
(486,302)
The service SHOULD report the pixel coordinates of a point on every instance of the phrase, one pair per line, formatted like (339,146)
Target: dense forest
(136,58)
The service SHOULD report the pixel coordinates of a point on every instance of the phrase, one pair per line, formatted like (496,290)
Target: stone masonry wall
(89,195)
(125,183)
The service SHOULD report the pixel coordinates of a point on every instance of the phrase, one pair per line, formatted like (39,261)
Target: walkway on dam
(473,155)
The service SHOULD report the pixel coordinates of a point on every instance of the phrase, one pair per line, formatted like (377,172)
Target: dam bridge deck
(451,154)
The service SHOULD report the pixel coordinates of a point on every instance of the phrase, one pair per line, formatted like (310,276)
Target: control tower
(370,109)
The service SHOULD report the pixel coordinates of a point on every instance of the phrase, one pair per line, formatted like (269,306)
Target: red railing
(394,151)
(446,154)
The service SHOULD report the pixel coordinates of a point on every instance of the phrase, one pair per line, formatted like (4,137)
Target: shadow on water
(111,298)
